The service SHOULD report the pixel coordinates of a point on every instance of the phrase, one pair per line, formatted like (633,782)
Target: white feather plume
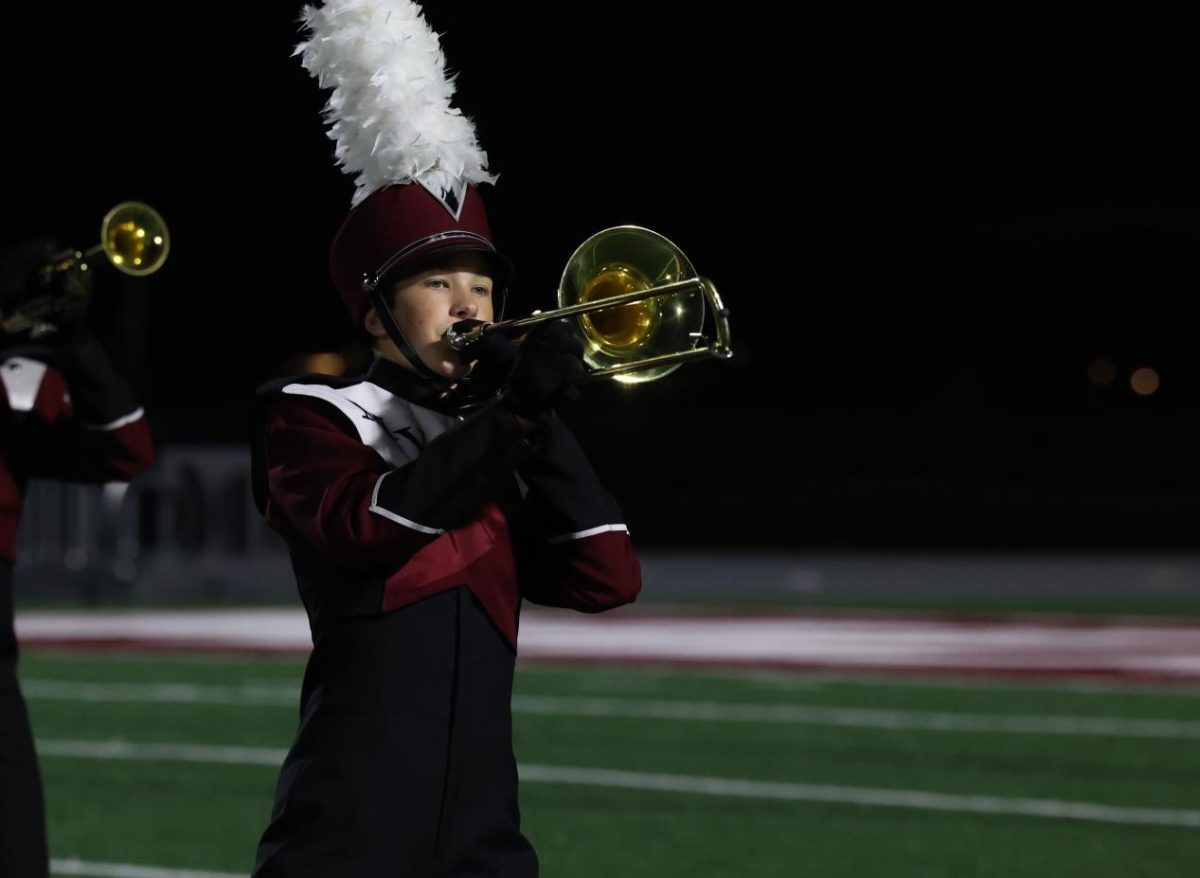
(390,114)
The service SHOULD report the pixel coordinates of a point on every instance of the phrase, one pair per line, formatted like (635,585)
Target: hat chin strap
(388,319)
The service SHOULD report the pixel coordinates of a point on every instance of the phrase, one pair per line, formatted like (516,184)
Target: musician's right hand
(548,359)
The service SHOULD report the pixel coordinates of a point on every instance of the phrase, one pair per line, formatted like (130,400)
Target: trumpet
(639,303)
(134,239)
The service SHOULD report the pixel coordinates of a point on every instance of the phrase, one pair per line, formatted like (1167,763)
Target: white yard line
(673,783)
(128,870)
(148,752)
(173,693)
(855,717)
(657,709)
(914,799)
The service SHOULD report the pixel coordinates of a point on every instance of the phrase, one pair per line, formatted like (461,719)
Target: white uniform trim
(590,532)
(118,423)
(399,519)
(355,402)
(379,417)
(22,378)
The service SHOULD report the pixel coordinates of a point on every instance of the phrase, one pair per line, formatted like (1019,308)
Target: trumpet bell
(629,259)
(135,238)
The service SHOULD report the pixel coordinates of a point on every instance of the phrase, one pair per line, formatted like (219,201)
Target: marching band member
(417,521)
(65,413)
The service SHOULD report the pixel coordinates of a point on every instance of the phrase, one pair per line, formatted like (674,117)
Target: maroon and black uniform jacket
(415,532)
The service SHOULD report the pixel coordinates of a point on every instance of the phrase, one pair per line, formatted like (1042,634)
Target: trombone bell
(625,328)
(639,304)
(636,342)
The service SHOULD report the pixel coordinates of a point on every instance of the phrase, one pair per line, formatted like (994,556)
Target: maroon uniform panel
(43,437)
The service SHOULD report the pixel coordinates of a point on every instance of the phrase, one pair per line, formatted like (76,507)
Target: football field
(162,765)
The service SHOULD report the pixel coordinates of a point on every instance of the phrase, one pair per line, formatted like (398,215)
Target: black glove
(18,269)
(71,331)
(493,356)
(548,359)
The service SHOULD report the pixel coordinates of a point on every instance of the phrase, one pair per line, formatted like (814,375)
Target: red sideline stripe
(211,647)
(874,644)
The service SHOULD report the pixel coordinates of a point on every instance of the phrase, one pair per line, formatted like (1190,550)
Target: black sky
(927,230)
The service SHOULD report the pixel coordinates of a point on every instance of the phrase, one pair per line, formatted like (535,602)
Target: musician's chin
(451,368)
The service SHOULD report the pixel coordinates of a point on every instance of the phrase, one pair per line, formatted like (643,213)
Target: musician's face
(428,303)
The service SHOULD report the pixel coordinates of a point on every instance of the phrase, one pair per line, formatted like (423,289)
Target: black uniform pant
(403,764)
(22,815)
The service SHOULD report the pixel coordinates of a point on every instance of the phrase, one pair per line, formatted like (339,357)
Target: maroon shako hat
(415,157)
(400,228)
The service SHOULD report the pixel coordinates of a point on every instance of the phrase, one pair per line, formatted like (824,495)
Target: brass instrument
(133,237)
(640,305)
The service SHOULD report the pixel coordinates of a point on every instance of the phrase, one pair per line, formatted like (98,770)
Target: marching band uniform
(415,529)
(77,422)
(416,523)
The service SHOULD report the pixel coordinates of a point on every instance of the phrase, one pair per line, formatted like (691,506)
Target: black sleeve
(565,495)
(448,482)
(99,393)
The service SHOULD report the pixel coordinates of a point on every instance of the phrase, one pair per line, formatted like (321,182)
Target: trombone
(134,239)
(639,304)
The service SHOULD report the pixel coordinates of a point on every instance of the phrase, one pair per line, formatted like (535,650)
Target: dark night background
(927,230)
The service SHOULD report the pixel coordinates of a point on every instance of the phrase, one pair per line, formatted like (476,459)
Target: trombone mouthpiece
(464,332)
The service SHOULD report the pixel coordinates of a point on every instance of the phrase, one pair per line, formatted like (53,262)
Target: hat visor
(430,256)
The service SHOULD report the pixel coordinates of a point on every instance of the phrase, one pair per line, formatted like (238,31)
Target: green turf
(203,816)
(165,814)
